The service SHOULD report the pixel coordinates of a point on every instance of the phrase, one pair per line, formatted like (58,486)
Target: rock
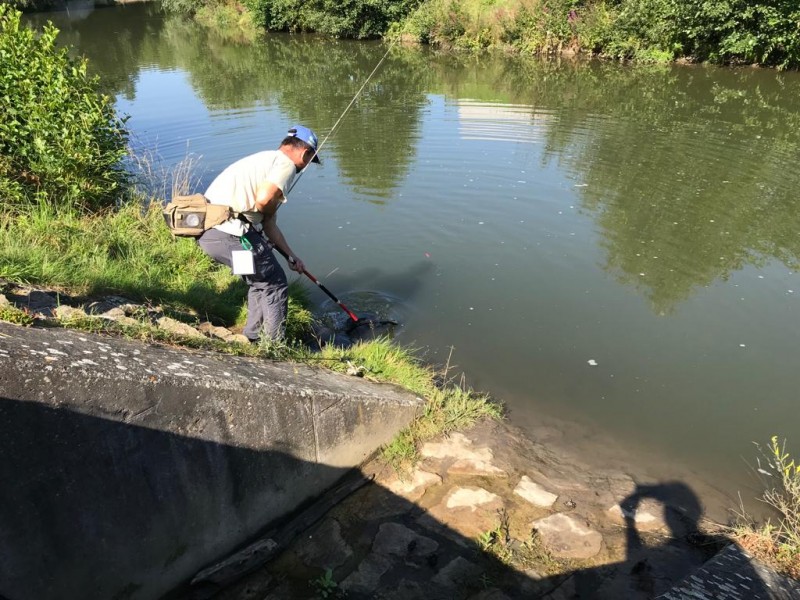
(409,590)
(101,307)
(648,516)
(459,572)
(176,327)
(471,498)
(467,511)
(220,333)
(4,301)
(238,338)
(468,466)
(324,548)
(532,584)
(456,446)
(395,540)
(41,303)
(566,590)
(118,315)
(366,578)
(68,312)
(534,575)
(415,486)
(490,594)
(534,493)
(566,537)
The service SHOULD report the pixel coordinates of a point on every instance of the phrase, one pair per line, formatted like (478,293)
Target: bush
(61,142)
(187,7)
(765,32)
(357,19)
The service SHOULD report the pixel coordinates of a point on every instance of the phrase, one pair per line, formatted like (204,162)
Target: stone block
(567,537)
(534,493)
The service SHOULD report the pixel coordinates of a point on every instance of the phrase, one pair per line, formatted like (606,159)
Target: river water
(610,250)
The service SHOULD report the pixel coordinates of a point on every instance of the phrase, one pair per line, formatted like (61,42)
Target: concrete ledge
(734,575)
(125,468)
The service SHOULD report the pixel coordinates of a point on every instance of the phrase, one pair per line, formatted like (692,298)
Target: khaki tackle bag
(192,215)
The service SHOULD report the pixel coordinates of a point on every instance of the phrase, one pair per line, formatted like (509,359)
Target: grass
(12,314)
(776,543)
(126,251)
(449,405)
(129,252)
(529,554)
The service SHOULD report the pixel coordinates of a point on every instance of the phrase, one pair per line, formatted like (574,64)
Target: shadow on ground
(91,507)
(378,545)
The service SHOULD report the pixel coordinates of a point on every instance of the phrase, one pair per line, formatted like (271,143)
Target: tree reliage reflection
(315,78)
(683,167)
(687,178)
(118,57)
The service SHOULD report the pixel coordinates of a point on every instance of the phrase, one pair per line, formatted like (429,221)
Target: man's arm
(268,198)
(275,236)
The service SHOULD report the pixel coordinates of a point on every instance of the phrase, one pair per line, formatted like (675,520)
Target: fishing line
(339,120)
(355,320)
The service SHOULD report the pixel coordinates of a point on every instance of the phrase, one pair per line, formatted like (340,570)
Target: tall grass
(127,251)
(777,543)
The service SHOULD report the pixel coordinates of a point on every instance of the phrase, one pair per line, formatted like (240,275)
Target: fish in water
(368,327)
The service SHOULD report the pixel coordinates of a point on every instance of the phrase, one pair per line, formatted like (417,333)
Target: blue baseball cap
(306,135)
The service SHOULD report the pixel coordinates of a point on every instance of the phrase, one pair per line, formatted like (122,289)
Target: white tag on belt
(242,262)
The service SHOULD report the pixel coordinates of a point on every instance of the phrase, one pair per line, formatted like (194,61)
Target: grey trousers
(268,296)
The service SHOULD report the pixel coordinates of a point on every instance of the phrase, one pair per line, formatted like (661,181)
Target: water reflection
(685,169)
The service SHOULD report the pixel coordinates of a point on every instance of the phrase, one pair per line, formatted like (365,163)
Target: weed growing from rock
(12,314)
(325,586)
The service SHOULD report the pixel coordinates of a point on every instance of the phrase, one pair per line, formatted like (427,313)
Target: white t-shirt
(236,186)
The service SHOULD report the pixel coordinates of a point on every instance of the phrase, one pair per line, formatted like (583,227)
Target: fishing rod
(322,287)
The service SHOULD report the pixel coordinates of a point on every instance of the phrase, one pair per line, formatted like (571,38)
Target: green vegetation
(61,143)
(326,586)
(530,554)
(125,251)
(778,545)
(766,32)
(724,31)
(12,314)
(353,18)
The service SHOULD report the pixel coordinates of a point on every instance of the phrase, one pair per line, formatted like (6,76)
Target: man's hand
(295,264)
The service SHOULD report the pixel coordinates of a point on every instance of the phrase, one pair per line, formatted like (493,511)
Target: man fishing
(255,187)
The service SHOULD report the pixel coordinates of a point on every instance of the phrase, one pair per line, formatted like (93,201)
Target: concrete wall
(125,468)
